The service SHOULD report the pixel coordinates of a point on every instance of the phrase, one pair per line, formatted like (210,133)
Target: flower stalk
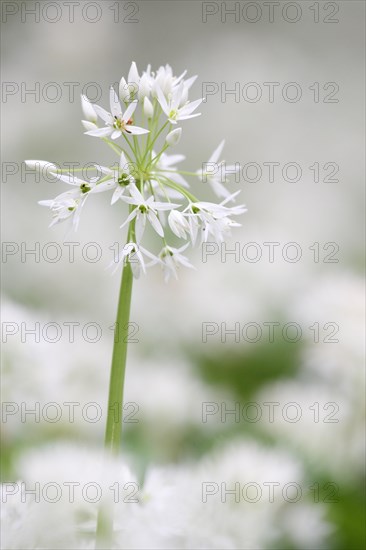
(116,383)
(114,424)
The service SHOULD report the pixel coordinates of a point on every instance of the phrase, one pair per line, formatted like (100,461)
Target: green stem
(184,172)
(113,432)
(115,401)
(151,145)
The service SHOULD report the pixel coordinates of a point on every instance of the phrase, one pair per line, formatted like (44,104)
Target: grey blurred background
(304,132)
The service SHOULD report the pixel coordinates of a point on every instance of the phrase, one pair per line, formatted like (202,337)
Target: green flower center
(165,253)
(84,187)
(119,124)
(142,209)
(124,179)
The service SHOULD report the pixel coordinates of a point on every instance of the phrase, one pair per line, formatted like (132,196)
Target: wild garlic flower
(176,108)
(140,127)
(116,121)
(71,202)
(120,178)
(145,209)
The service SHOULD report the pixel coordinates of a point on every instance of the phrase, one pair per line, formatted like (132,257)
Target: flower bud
(178,224)
(174,136)
(148,108)
(124,90)
(88,110)
(133,74)
(144,87)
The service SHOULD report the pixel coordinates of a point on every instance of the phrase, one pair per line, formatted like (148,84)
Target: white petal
(190,107)
(133,74)
(217,152)
(178,96)
(153,219)
(219,189)
(68,178)
(140,226)
(136,130)
(41,165)
(104,186)
(162,100)
(117,194)
(88,110)
(129,111)
(124,92)
(89,125)
(130,217)
(188,83)
(103,114)
(170,160)
(186,117)
(148,108)
(136,195)
(100,132)
(114,103)
(165,205)
(123,164)
(174,137)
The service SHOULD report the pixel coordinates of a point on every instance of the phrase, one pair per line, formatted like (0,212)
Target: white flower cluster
(146,177)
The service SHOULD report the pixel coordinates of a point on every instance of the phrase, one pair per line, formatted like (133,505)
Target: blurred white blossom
(143,174)
(180,506)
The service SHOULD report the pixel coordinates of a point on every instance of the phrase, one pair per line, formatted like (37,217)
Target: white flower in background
(336,344)
(215,172)
(146,209)
(319,418)
(180,505)
(177,513)
(329,389)
(118,179)
(72,481)
(146,177)
(176,108)
(116,121)
(59,370)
